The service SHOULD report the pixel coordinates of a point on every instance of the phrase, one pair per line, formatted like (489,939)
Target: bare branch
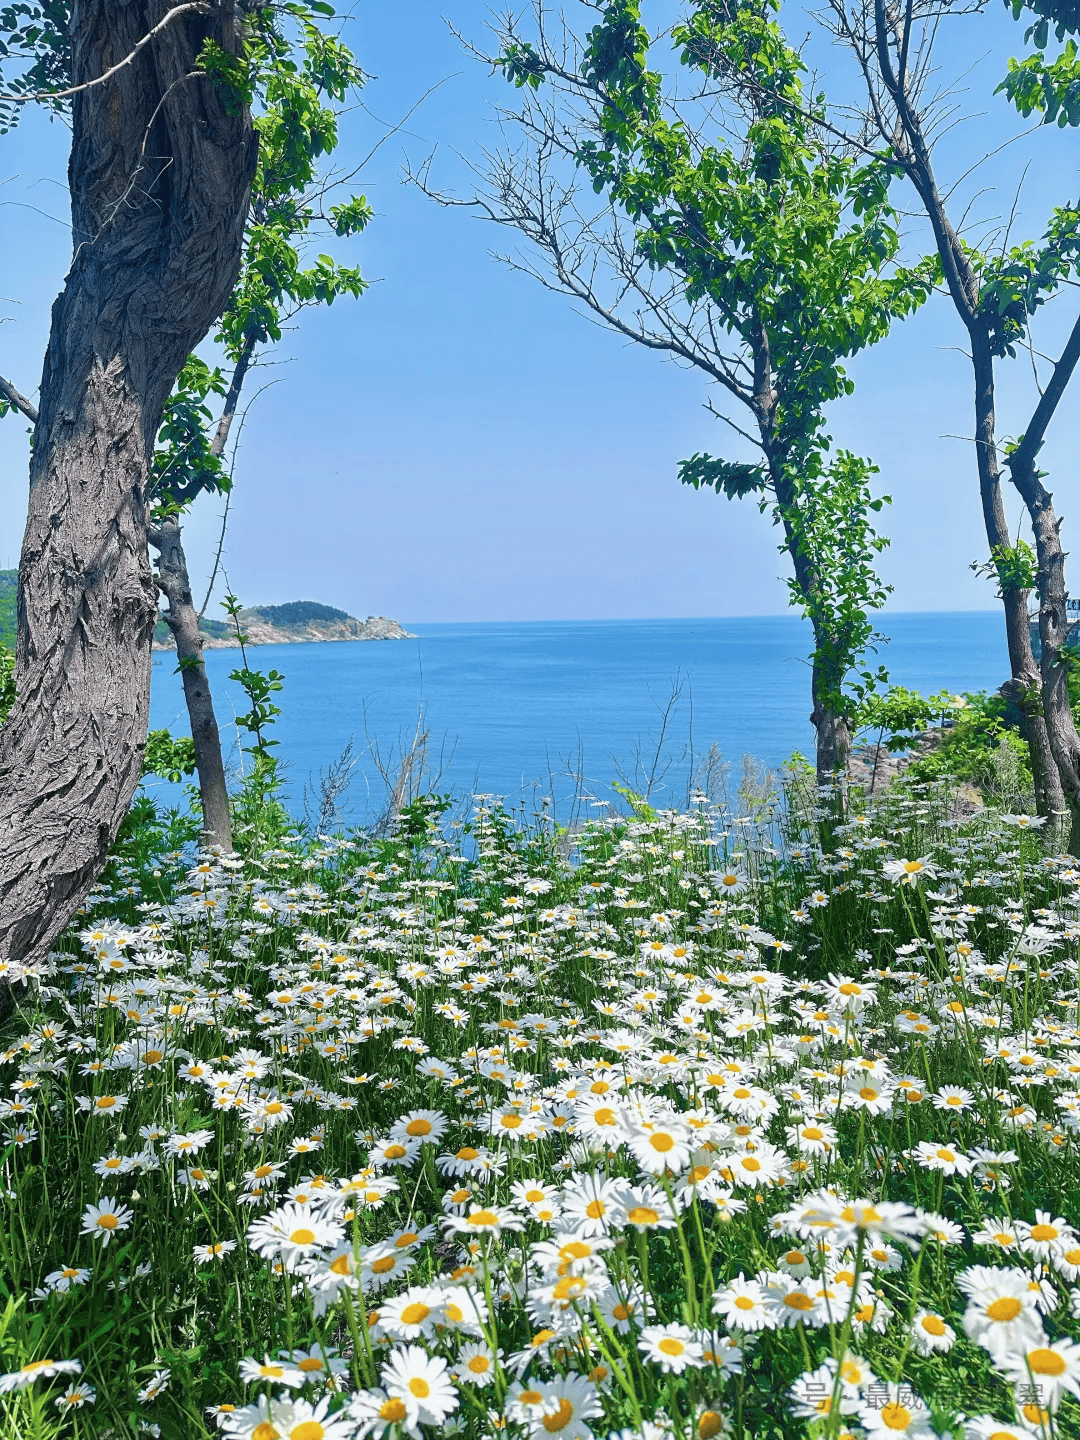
(18,401)
(196,7)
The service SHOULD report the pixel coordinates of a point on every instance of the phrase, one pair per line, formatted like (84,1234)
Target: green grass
(491,1018)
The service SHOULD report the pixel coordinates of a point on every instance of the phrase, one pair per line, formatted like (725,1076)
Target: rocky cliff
(298,622)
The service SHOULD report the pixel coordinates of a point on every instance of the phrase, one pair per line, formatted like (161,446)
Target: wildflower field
(689,1125)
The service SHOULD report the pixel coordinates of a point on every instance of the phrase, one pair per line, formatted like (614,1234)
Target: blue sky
(460,444)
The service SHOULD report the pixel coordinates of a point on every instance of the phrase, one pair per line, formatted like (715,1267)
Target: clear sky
(460,444)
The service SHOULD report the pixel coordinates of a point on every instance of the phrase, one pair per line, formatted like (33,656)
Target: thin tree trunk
(1024,688)
(160,172)
(183,622)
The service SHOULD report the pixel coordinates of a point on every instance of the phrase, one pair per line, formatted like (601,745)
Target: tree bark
(172,579)
(160,172)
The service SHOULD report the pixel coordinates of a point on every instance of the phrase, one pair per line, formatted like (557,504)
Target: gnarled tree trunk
(160,171)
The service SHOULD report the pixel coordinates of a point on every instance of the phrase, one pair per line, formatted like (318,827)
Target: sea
(558,710)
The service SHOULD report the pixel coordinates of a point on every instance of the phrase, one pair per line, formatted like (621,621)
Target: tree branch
(18,401)
(200,7)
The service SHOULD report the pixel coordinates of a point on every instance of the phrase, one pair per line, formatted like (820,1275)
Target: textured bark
(160,172)
(172,579)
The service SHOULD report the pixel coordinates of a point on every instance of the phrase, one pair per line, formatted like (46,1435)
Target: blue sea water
(524,709)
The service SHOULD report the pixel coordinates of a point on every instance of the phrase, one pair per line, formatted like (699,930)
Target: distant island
(297,622)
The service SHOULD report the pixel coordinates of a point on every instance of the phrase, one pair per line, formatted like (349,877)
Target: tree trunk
(160,172)
(183,621)
(1024,687)
(963,284)
(172,579)
(833,745)
(1053,630)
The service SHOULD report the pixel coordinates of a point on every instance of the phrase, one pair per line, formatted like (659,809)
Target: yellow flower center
(1045,1362)
(560,1418)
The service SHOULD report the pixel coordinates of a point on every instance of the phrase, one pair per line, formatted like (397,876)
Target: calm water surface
(516,708)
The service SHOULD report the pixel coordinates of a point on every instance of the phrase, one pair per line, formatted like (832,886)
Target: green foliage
(34,54)
(258,811)
(901,713)
(981,726)
(296,612)
(1038,85)
(1015,567)
(184,463)
(1014,285)
(791,245)
(7,682)
(9,591)
(169,758)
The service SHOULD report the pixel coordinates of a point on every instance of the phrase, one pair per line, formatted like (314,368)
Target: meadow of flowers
(695,1125)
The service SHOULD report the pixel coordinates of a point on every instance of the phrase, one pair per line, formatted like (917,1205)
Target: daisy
(621,1311)
(422,1383)
(946,1158)
(400,1151)
(1053,1366)
(427,1126)
(793,1303)
(277,1372)
(413,1314)
(106,1219)
(565,1407)
(672,1347)
(37,1370)
(1000,1233)
(909,872)
(592,1205)
(763,1165)
(659,1147)
(475,1364)
(204,1254)
(64,1279)
(812,1394)
(1046,1236)
(317,1361)
(294,1233)
(812,1137)
(895,1410)
(953,1097)
(646,1207)
(741,1304)
(930,1333)
(377,1413)
(75,1397)
(1001,1314)
(484,1220)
